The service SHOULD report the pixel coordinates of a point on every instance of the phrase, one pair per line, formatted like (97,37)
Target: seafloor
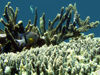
(76,57)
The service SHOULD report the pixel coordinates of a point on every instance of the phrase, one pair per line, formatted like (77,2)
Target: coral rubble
(77,57)
(68,26)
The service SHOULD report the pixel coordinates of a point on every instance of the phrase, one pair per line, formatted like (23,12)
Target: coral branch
(42,24)
(35,18)
(11,38)
(70,25)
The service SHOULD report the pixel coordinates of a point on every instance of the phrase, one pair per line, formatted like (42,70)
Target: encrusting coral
(16,37)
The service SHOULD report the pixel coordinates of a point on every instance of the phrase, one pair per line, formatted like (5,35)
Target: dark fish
(28,38)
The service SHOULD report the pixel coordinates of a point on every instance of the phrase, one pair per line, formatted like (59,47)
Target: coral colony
(33,50)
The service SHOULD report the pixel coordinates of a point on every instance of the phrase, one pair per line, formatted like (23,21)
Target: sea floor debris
(76,57)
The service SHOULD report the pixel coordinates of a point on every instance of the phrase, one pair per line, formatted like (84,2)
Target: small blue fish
(31,8)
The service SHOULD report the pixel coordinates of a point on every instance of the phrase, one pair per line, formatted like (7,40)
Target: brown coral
(67,27)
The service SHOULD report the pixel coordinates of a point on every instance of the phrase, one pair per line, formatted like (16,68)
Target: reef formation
(34,50)
(15,36)
(77,57)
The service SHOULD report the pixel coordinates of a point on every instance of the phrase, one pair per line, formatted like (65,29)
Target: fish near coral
(31,37)
(70,25)
(28,39)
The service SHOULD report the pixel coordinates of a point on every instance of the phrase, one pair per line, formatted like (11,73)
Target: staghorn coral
(72,28)
(77,57)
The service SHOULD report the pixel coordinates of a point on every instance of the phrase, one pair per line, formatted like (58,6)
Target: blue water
(52,7)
